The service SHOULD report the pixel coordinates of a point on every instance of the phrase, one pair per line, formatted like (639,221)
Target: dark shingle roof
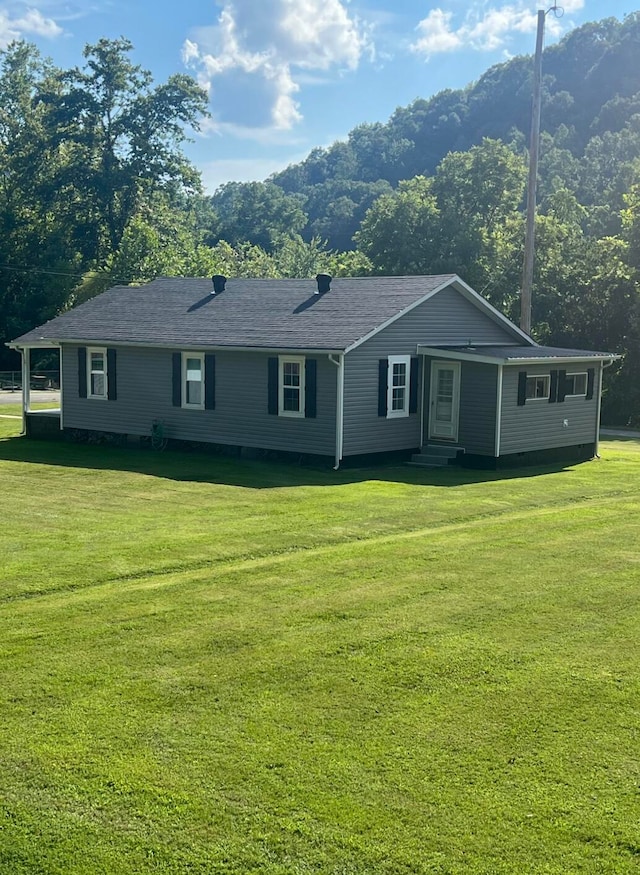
(249,313)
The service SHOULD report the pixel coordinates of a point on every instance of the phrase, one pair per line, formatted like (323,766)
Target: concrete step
(436,456)
(450,451)
(429,461)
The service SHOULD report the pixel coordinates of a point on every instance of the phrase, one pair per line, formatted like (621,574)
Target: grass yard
(16,409)
(222,667)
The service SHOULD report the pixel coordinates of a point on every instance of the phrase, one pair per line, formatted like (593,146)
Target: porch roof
(516,355)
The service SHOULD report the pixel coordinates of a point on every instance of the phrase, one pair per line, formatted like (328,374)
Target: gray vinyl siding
(538,425)
(478,405)
(447,318)
(240,418)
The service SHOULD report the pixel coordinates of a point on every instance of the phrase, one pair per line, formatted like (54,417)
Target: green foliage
(256,213)
(160,241)
(464,220)
(120,138)
(399,230)
(83,154)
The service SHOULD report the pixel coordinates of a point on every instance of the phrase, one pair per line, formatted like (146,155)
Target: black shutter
(562,385)
(591,376)
(82,371)
(112,380)
(522,388)
(310,387)
(383,375)
(272,389)
(553,387)
(210,382)
(413,385)
(177,379)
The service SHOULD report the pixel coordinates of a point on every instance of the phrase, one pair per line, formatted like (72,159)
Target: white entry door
(444,404)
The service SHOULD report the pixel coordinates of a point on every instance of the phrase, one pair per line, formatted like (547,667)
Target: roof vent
(219,283)
(324,283)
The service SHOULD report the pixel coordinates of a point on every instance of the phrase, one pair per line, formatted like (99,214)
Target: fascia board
(434,352)
(53,344)
(198,347)
(560,360)
(456,355)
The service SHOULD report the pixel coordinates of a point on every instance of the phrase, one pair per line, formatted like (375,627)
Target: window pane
(445,383)
(397,398)
(194,369)
(97,384)
(580,384)
(194,392)
(399,374)
(291,374)
(97,361)
(537,387)
(291,398)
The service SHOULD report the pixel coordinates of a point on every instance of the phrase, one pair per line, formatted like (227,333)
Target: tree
(38,260)
(256,213)
(400,230)
(120,139)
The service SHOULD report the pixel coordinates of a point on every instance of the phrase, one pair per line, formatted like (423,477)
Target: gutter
(274,350)
(339,363)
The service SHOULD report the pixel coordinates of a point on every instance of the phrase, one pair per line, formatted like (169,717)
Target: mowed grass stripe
(201,570)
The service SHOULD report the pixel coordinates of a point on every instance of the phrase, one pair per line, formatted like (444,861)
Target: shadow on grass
(203,467)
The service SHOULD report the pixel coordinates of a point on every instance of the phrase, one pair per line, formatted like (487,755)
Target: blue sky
(285,76)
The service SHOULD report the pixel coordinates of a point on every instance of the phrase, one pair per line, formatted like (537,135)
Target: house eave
(80,341)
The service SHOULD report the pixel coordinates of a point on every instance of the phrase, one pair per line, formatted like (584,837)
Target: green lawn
(16,409)
(222,667)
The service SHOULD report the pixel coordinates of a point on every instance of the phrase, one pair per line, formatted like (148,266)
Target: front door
(444,397)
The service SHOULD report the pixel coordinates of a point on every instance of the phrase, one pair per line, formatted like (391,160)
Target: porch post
(26,385)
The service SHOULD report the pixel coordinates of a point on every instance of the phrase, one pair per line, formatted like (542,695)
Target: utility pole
(530,234)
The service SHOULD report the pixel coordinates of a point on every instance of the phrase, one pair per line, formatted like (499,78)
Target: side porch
(37,389)
(489,406)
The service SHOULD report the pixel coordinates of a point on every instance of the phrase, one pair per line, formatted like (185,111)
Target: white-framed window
(398,385)
(575,384)
(97,386)
(291,385)
(193,380)
(538,386)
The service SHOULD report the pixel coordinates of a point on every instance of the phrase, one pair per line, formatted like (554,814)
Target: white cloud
(256,56)
(484,28)
(436,35)
(31,23)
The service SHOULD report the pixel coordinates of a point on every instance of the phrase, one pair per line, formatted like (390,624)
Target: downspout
(422,378)
(61,389)
(339,363)
(599,406)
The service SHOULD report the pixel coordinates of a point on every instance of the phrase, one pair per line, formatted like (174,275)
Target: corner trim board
(498,410)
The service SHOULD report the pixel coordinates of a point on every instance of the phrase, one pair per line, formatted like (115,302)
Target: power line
(41,270)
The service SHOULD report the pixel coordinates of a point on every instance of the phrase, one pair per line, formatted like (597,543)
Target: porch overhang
(516,355)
